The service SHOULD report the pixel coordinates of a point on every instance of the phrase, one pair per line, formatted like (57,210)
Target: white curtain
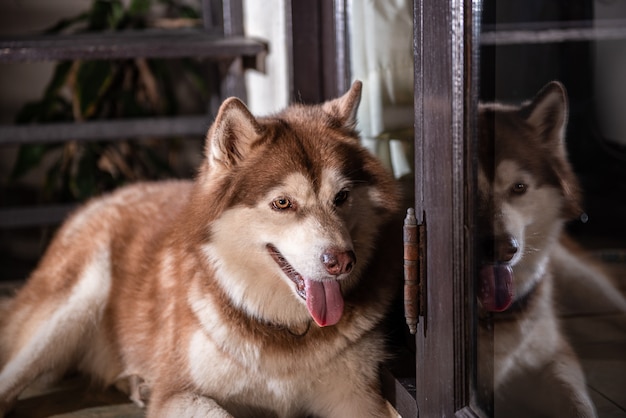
(268,92)
(381,53)
(381,48)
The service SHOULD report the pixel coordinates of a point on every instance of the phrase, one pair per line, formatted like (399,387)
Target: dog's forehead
(296,157)
(507,172)
(505,136)
(300,185)
(318,145)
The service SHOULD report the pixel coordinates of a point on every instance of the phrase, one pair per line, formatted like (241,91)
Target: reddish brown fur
(155,234)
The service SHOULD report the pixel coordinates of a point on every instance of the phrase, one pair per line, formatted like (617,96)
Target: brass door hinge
(414,237)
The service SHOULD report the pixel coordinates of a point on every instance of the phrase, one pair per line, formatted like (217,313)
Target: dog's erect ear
(548,112)
(345,107)
(232,134)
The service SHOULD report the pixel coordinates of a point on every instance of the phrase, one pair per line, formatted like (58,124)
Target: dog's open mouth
(323,299)
(495,287)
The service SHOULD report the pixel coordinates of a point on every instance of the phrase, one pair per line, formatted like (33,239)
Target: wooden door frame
(318,37)
(445,41)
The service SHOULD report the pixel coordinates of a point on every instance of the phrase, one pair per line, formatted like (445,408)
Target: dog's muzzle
(495,288)
(323,298)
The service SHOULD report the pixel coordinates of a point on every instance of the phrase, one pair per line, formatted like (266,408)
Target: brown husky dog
(256,290)
(527,191)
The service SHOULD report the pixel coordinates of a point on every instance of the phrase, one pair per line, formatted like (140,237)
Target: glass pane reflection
(551,209)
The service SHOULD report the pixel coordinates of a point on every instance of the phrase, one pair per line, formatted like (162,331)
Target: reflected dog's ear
(344,108)
(548,113)
(232,135)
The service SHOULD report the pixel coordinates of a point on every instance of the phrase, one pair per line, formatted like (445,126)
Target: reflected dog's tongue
(495,290)
(324,301)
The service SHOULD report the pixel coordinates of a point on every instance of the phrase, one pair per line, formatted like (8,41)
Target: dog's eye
(341,197)
(519,188)
(282,203)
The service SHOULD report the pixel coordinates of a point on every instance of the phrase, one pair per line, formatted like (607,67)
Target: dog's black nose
(506,248)
(338,262)
(500,249)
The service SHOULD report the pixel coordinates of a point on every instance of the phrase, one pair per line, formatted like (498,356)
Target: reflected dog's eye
(282,203)
(341,197)
(519,188)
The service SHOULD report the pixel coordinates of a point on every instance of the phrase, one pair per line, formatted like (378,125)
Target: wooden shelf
(220,40)
(19,217)
(162,43)
(552,32)
(122,129)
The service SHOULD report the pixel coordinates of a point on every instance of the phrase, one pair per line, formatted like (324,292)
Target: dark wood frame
(318,38)
(445,36)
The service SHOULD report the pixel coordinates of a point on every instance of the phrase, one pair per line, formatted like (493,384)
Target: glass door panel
(550,200)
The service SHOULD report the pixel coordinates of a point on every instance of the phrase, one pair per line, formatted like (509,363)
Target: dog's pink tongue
(324,301)
(495,290)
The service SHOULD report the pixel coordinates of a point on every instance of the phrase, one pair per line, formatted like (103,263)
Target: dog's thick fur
(527,191)
(256,290)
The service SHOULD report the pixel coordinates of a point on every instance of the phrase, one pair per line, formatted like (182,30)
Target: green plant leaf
(189,12)
(50,109)
(30,112)
(92,80)
(196,72)
(85,178)
(117,15)
(29,157)
(52,180)
(66,23)
(100,14)
(59,109)
(162,70)
(59,78)
(139,7)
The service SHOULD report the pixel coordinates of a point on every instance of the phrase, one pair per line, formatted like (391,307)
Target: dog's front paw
(136,388)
